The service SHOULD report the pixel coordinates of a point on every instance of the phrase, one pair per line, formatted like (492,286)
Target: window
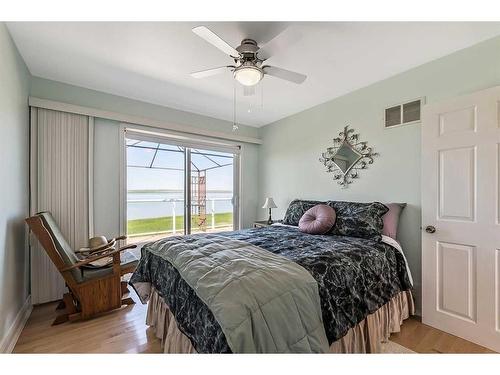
(403,114)
(174,187)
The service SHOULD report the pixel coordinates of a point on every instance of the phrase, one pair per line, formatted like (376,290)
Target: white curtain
(59,177)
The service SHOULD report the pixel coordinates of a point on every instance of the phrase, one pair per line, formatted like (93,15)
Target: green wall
(58,91)
(14,123)
(288,159)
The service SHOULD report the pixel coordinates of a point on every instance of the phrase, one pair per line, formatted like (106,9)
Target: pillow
(391,219)
(356,219)
(296,209)
(317,220)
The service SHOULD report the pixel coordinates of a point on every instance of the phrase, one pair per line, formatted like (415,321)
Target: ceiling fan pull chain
(235,126)
(262,95)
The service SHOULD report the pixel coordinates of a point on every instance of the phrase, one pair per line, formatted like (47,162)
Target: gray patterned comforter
(355,277)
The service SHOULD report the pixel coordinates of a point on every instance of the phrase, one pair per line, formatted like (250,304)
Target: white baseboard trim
(9,341)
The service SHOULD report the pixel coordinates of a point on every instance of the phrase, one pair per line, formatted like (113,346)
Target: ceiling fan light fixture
(248,70)
(248,75)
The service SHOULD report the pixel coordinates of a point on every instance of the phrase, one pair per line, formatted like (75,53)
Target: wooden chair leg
(128,301)
(68,304)
(74,317)
(124,287)
(63,318)
(61,305)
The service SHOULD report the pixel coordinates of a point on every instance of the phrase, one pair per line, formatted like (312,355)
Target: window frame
(189,142)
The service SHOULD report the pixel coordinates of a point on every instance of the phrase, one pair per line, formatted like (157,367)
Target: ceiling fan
(248,69)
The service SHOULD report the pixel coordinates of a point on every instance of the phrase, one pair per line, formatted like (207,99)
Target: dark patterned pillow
(296,209)
(356,219)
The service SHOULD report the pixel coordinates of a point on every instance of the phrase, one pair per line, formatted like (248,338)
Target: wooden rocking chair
(91,291)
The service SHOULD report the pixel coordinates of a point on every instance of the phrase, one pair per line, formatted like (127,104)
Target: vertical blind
(59,178)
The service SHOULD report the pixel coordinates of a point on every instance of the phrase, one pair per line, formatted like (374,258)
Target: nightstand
(263,223)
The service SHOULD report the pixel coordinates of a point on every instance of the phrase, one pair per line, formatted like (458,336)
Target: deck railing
(176,208)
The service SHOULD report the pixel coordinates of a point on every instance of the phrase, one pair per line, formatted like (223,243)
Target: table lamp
(270,205)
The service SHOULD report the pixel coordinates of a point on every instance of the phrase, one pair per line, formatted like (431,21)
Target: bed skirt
(365,337)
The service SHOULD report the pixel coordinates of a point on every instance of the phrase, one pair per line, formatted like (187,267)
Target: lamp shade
(269,203)
(248,74)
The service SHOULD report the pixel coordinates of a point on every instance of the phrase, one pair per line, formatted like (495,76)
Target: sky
(160,179)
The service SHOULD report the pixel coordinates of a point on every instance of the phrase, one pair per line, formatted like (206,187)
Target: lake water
(139,205)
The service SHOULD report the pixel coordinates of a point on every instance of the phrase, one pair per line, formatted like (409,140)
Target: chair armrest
(97,257)
(95,252)
(110,243)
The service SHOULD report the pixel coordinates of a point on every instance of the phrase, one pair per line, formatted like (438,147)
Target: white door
(460,200)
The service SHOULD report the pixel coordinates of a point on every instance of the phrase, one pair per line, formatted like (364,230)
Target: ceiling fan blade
(212,38)
(248,90)
(210,72)
(283,41)
(284,74)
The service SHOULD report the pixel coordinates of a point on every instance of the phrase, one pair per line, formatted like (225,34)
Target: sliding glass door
(155,189)
(211,190)
(174,188)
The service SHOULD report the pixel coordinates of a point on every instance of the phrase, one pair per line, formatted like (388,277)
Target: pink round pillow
(318,219)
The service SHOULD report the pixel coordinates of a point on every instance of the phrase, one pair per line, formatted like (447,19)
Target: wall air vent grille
(403,114)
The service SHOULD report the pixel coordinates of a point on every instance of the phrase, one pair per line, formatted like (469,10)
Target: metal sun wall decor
(347,156)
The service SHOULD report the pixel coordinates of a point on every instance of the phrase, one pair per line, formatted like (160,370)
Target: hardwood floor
(424,339)
(124,331)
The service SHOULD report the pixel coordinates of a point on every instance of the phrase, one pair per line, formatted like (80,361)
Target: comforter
(355,277)
(263,302)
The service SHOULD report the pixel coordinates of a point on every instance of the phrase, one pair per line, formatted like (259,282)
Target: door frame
(184,140)
(480,323)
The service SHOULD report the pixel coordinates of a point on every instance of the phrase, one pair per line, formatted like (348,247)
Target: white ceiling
(152,61)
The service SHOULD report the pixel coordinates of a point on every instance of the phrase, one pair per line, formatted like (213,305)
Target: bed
(363,284)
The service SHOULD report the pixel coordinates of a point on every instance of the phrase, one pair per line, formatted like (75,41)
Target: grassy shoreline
(164,224)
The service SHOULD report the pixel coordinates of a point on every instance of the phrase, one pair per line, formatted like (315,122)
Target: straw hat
(94,243)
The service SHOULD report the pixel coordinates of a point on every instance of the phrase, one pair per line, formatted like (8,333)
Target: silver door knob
(430,229)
